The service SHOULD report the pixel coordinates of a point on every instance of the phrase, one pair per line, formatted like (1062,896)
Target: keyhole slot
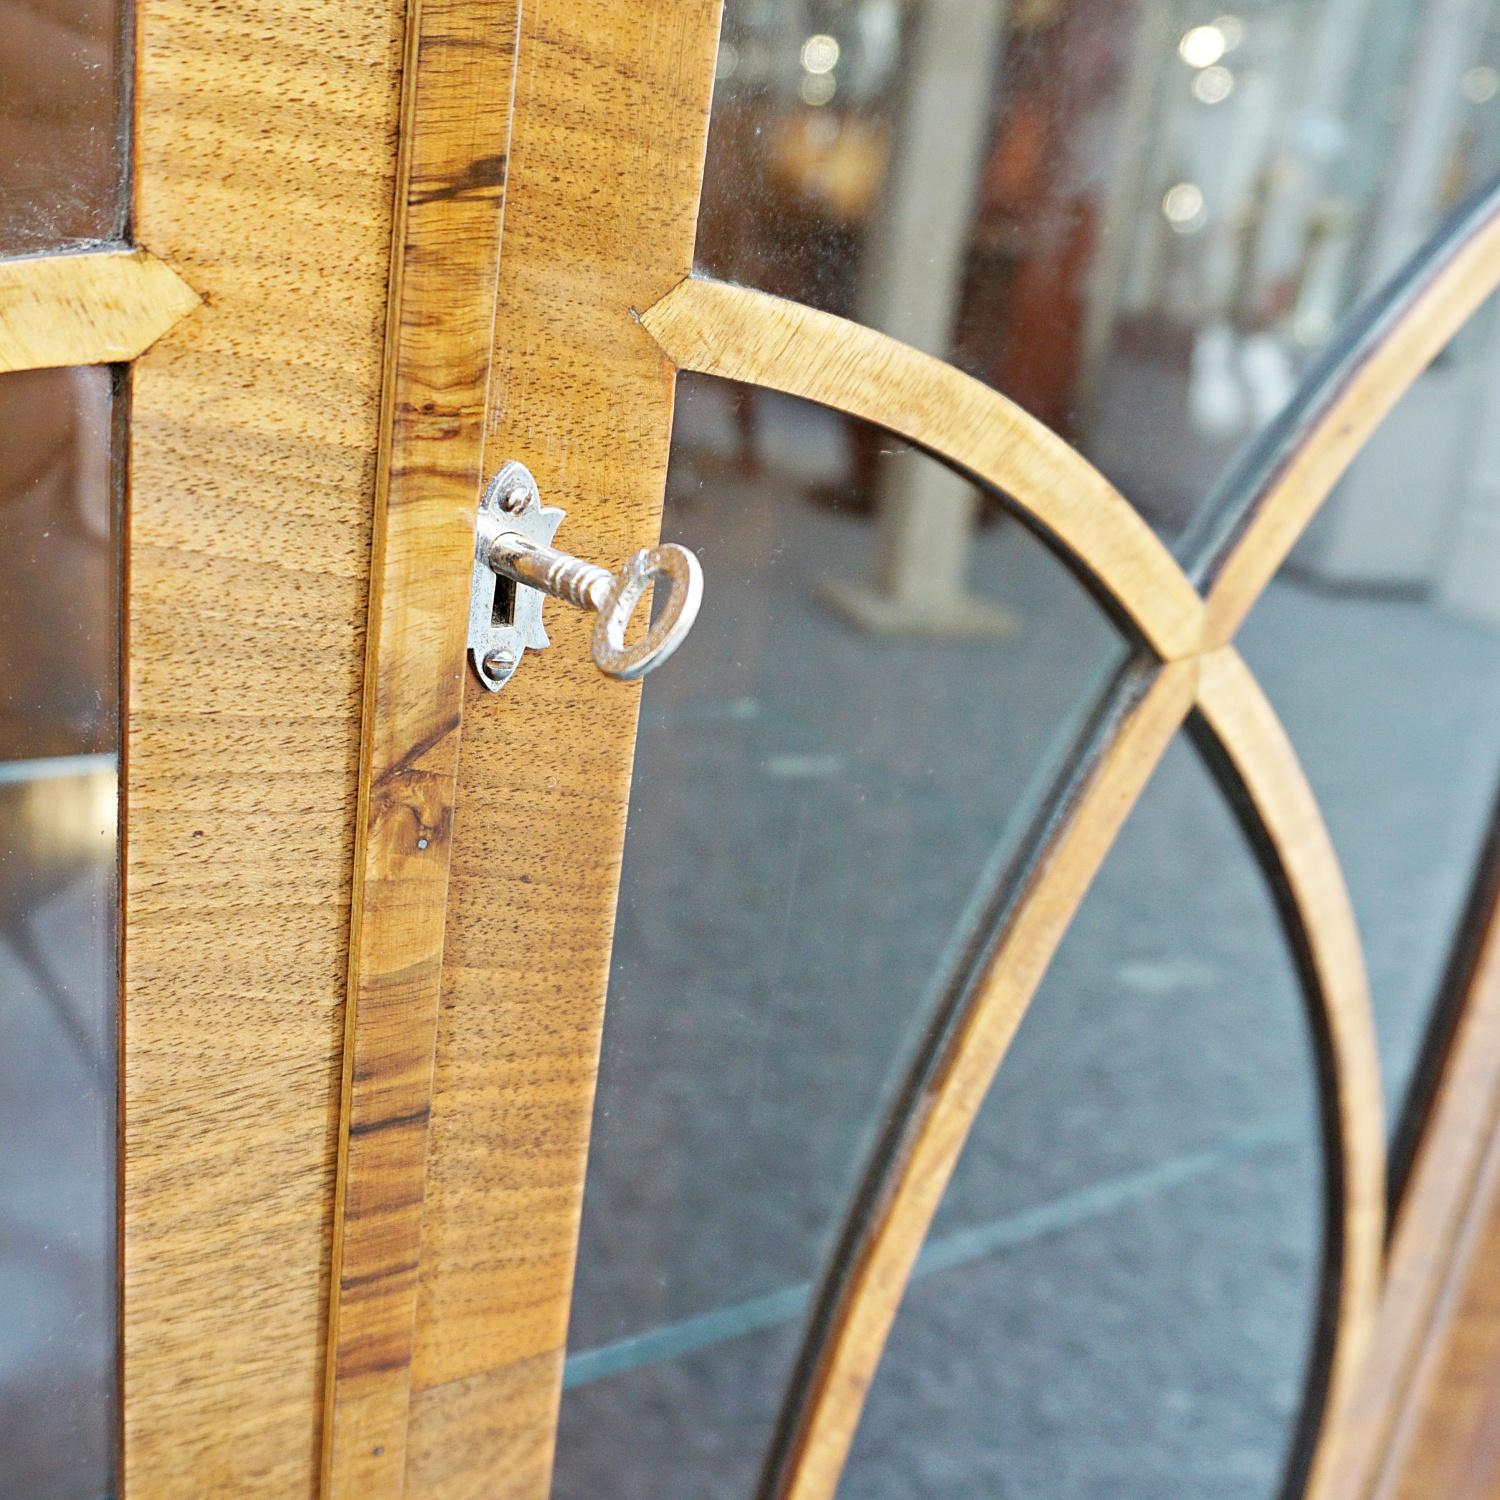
(503,609)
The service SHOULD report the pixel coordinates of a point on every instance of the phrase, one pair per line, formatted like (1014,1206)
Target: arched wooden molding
(811,1448)
(1281,816)
(102,307)
(1265,502)
(1278,807)
(1243,535)
(740,334)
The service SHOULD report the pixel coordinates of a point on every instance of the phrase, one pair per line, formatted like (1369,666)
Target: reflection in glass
(817,801)
(59,732)
(1140,219)
(1379,645)
(1119,1290)
(62,155)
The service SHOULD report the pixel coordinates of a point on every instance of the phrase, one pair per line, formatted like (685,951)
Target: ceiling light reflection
(1183,206)
(817,89)
(820,53)
(1213,85)
(1202,46)
(1480,84)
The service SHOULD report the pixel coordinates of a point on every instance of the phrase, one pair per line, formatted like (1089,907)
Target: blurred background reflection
(1141,220)
(64,84)
(59,734)
(62,141)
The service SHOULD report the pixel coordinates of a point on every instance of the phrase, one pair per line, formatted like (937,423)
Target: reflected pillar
(925,514)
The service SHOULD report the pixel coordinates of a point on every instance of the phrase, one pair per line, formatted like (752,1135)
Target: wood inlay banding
(97,308)
(1405,1382)
(459,74)
(264,164)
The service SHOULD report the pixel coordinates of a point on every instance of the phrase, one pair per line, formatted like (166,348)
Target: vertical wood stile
(612,104)
(264,147)
(457,96)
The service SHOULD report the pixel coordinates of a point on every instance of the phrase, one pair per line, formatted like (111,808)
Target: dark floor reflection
(809,802)
(814,809)
(1124,1274)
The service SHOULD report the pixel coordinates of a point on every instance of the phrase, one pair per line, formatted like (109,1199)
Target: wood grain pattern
(1401,1390)
(1267,500)
(455,130)
(1285,824)
(265,141)
(606,159)
(813,1455)
(1450,1442)
(101,308)
(488,1434)
(751,336)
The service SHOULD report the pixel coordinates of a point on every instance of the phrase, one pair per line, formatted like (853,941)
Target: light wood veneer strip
(459,73)
(751,336)
(607,155)
(1014,969)
(98,308)
(1296,843)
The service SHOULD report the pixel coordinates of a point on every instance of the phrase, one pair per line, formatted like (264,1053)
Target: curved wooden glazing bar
(102,307)
(751,336)
(889,1217)
(1247,747)
(1265,501)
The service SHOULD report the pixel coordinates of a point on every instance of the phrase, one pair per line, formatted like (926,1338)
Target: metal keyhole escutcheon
(516,566)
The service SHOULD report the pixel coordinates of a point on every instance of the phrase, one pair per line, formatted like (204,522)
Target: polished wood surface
(1077,843)
(94,309)
(1450,1436)
(455,130)
(1422,1347)
(1282,818)
(606,157)
(265,164)
(751,336)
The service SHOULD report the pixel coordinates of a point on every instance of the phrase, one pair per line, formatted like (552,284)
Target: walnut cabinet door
(1008,1008)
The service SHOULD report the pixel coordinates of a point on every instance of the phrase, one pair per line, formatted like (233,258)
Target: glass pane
(1120,1287)
(823,785)
(62,94)
(1379,645)
(59,733)
(1138,218)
